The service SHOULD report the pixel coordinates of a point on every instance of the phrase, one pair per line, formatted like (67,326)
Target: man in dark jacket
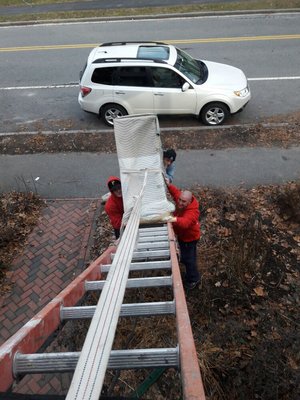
(187,229)
(114,206)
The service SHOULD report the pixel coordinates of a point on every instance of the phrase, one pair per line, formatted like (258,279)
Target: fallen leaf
(293,364)
(297,238)
(231,217)
(259,291)
(276,336)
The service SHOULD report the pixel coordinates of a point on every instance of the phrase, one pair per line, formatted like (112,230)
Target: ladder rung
(150,254)
(157,238)
(153,245)
(137,255)
(162,230)
(127,310)
(119,359)
(142,266)
(134,283)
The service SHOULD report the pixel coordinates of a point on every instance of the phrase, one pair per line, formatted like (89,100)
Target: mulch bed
(19,213)
(245,317)
(206,138)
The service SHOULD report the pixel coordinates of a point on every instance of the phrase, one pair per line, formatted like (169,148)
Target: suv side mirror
(185,86)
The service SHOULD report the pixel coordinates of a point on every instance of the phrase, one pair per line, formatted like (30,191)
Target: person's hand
(169,218)
(116,242)
(166,179)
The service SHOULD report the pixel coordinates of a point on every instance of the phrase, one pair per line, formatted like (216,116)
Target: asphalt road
(40,64)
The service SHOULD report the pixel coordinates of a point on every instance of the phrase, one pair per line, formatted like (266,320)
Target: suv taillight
(85,90)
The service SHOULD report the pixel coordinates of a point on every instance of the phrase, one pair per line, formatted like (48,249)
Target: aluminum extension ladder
(154,250)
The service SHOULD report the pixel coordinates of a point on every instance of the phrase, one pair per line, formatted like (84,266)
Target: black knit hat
(170,154)
(114,184)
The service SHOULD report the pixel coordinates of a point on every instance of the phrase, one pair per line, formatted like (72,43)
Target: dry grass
(206,7)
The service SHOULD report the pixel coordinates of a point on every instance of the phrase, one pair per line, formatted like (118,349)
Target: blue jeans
(188,257)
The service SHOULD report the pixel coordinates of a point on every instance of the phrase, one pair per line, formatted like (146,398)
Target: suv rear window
(103,76)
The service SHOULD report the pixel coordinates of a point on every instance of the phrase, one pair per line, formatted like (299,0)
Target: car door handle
(120,92)
(158,94)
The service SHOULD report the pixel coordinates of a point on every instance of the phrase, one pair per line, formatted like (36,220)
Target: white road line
(73,85)
(67,85)
(275,78)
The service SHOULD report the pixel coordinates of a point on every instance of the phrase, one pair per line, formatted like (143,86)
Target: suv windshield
(190,67)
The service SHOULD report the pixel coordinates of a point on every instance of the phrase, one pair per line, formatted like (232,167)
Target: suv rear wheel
(214,113)
(111,111)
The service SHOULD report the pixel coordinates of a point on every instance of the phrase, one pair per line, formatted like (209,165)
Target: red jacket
(114,207)
(187,226)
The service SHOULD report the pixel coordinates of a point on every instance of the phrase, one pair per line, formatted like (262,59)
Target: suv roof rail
(119,59)
(130,42)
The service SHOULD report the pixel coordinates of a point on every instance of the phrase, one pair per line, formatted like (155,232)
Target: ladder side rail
(90,371)
(35,332)
(189,366)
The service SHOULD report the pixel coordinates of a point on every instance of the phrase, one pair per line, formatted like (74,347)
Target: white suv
(123,78)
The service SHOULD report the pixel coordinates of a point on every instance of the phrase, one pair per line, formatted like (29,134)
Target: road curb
(174,128)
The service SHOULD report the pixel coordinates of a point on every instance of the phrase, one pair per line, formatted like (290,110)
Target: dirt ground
(245,314)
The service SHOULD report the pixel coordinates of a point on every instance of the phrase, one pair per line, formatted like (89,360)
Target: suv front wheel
(111,111)
(214,113)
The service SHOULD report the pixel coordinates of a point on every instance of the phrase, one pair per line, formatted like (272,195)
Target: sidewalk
(57,250)
(81,175)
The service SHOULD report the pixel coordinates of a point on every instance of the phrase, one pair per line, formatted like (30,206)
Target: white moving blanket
(140,152)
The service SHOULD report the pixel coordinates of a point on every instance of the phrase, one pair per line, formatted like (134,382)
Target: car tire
(111,111)
(214,114)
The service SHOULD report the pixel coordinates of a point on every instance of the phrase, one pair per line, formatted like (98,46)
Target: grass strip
(232,6)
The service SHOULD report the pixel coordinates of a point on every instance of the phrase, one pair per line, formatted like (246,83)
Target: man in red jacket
(114,206)
(187,229)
